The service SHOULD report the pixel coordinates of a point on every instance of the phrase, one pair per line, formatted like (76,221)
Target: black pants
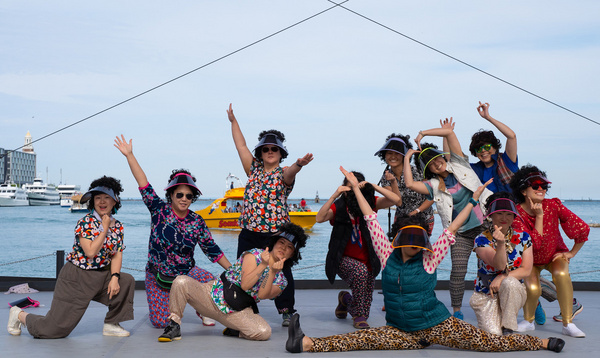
(256,240)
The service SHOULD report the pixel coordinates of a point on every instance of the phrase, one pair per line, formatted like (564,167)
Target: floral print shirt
(173,239)
(555,213)
(234,274)
(88,228)
(265,199)
(520,241)
(411,200)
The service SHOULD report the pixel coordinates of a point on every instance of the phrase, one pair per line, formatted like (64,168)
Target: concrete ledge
(47,284)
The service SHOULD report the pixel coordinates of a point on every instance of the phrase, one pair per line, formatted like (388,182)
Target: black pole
(60,261)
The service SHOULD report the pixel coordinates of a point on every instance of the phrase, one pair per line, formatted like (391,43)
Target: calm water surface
(29,232)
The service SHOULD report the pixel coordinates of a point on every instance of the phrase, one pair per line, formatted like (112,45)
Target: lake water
(30,232)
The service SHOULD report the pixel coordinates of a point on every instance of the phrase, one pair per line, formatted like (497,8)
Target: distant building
(19,166)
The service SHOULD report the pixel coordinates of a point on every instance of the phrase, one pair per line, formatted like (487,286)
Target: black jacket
(340,234)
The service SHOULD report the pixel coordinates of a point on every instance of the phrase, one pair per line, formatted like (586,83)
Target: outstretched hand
(484,110)
(305,159)
(447,123)
(230,114)
(479,190)
(349,176)
(122,145)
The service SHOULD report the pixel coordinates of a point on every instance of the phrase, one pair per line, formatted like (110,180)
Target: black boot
(295,335)
(555,344)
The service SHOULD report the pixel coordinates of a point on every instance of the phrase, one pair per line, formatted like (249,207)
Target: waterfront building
(18,167)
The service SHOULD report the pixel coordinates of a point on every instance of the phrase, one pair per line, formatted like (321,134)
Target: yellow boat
(224,212)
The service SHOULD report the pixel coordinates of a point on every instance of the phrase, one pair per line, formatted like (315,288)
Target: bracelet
(299,165)
(417,210)
(116,274)
(473,201)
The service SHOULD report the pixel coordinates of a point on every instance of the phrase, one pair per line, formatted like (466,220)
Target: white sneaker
(14,325)
(114,330)
(572,330)
(208,321)
(525,326)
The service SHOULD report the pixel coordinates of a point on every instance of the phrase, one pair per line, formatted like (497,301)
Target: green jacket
(408,293)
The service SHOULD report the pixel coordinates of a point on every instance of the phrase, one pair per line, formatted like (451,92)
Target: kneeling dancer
(231,299)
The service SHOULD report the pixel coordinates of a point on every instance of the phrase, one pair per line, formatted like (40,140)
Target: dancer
(486,147)
(265,206)
(231,299)
(392,153)
(175,232)
(451,185)
(504,260)
(351,255)
(415,318)
(540,217)
(92,272)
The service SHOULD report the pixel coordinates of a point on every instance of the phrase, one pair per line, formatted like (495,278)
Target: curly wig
(170,191)
(484,137)
(299,242)
(519,182)
(279,135)
(109,182)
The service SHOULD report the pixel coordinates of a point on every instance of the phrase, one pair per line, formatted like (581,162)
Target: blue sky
(336,85)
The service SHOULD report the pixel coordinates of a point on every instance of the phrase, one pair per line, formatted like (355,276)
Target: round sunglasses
(187,196)
(272,149)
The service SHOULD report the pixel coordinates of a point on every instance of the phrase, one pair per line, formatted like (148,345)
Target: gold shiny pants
(564,289)
(502,310)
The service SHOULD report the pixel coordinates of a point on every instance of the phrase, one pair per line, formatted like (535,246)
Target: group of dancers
(492,207)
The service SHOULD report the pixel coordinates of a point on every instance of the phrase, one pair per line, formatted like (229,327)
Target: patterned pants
(158,297)
(452,332)
(361,281)
(459,253)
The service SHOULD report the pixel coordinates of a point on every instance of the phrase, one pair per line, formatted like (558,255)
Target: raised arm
(289,173)
(127,150)
(389,197)
(466,211)
(410,183)
(325,213)
(447,133)
(511,138)
(240,142)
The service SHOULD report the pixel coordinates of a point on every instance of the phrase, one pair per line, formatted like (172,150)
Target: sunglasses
(485,147)
(539,186)
(272,149)
(187,196)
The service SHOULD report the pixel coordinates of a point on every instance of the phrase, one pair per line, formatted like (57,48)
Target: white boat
(76,206)
(12,195)
(42,194)
(66,191)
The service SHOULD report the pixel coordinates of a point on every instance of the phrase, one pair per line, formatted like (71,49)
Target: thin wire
(463,62)
(178,77)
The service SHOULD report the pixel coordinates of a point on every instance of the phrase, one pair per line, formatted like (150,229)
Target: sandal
(360,322)
(341,311)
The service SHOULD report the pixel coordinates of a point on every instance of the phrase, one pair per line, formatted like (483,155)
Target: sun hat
(393,144)
(412,236)
(183,179)
(271,138)
(99,189)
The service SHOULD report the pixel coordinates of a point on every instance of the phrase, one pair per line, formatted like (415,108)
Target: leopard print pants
(452,332)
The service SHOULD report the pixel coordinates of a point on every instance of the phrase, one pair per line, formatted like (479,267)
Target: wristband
(473,201)
(116,274)
(298,165)
(417,210)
